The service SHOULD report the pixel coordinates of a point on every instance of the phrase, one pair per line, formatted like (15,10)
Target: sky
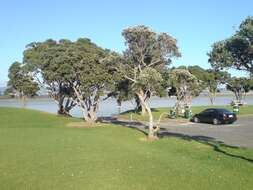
(196,24)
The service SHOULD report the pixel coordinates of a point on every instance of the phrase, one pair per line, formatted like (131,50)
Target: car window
(208,111)
(223,111)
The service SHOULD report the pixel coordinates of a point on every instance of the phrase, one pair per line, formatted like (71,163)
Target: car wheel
(216,121)
(196,120)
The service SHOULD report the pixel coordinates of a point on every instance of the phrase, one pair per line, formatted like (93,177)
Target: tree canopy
(20,82)
(239,86)
(146,56)
(186,86)
(236,51)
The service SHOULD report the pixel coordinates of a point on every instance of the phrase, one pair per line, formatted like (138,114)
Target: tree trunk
(23,101)
(142,102)
(91,116)
(238,95)
(179,106)
(151,131)
(119,103)
(63,110)
(212,96)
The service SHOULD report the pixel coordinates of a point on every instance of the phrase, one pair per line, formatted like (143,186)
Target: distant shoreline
(221,94)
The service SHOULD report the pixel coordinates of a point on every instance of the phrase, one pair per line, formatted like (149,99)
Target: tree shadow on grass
(139,126)
(210,141)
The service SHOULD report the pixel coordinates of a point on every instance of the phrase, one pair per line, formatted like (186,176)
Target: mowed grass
(38,152)
(157,112)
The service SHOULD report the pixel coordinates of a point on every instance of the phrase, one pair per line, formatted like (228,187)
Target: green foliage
(147,54)
(150,78)
(50,62)
(91,74)
(72,71)
(184,85)
(210,78)
(185,82)
(122,91)
(236,51)
(149,49)
(20,82)
(239,86)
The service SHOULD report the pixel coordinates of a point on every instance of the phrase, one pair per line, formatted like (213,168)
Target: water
(109,107)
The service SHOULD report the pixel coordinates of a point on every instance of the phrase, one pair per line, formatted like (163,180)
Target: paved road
(238,134)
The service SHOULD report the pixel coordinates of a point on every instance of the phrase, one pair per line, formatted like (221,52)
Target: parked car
(215,116)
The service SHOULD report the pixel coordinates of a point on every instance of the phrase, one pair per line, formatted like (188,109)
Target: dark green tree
(236,51)
(121,92)
(240,87)
(50,64)
(94,76)
(20,83)
(211,79)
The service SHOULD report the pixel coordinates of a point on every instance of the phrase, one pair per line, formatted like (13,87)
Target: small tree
(20,83)
(210,78)
(186,86)
(239,86)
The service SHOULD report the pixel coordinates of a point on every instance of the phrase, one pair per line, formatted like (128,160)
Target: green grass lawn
(244,110)
(39,152)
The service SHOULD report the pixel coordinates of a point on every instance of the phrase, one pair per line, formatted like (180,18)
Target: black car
(215,116)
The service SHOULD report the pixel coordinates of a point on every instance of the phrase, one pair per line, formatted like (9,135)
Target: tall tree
(21,83)
(50,63)
(236,51)
(146,55)
(93,76)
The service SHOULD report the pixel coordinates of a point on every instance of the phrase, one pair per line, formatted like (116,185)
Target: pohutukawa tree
(236,51)
(93,77)
(21,83)
(146,55)
(186,87)
(50,64)
(73,72)
(211,79)
(240,87)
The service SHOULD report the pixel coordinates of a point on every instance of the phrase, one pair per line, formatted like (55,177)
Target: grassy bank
(244,110)
(38,151)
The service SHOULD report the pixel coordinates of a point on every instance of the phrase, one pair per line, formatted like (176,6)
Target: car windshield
(221,110)
(208,111)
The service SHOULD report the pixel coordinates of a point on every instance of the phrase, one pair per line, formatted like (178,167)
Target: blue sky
(196,24)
